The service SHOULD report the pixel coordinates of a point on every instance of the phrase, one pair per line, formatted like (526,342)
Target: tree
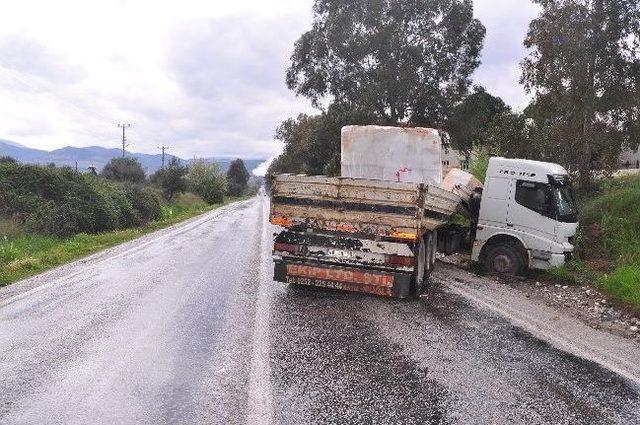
(584,70)
(7,160)
(401,61)
(172,178)
(124,170)
(471,120)
(207,180)
(237,178)
(312,142)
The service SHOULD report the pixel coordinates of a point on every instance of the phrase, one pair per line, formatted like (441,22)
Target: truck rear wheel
(420,267)
(504,259)
(425,260)
(430,254)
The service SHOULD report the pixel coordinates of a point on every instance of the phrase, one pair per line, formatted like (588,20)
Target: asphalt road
(185,326)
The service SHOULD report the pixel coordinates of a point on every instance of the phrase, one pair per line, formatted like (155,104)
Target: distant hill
(96,156)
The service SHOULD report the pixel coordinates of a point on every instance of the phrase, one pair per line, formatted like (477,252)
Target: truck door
(494,209)
(531,213)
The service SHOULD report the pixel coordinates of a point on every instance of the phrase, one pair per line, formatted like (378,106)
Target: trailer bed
(368,208)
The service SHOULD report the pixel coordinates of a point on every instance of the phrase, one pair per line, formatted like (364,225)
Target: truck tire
(429,239)
(434,249)
(504,259)
(420,268)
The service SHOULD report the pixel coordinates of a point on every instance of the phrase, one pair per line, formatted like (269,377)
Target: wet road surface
(185,326)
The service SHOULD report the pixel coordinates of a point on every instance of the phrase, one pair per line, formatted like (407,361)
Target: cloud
(30,57)
(507,22)
(203,76)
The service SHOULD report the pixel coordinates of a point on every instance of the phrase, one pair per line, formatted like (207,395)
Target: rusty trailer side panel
(375,208)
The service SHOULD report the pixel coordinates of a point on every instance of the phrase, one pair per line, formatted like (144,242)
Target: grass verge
(608,242)
(27,255)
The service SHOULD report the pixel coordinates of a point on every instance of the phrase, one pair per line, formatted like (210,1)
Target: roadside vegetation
(49,215)
(608,242)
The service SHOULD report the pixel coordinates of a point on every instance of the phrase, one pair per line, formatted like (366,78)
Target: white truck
(376,229)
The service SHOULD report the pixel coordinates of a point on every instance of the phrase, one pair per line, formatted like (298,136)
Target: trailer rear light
(404,236)
(286,247)
(281,221)
(400,260)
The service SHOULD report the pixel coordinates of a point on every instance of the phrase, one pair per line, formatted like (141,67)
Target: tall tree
(172,178)
(584,69)
(312,143)
(471,119)
(404,61)
(237,178)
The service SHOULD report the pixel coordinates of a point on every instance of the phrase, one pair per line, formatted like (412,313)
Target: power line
(124,126)
(163,148)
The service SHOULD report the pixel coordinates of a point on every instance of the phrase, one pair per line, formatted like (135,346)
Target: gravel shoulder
(569,318)
(583,302)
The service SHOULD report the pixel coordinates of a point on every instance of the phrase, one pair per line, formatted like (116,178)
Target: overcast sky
(203,76)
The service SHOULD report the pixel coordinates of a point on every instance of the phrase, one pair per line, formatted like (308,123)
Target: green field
(25,255)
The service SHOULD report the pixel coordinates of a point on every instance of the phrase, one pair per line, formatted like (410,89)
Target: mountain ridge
(98,156)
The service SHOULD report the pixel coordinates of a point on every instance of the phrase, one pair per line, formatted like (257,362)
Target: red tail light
(400,260)
(286,247)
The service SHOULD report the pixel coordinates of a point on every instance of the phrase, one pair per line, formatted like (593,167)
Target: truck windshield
(564,203)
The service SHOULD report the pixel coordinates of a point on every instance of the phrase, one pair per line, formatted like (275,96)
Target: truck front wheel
(504,259)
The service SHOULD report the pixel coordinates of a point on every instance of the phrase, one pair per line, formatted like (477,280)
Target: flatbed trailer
(362,235)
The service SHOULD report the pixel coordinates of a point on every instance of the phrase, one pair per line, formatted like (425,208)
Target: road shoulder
(543,321)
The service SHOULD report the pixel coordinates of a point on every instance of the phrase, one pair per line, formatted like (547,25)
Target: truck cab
(527,217)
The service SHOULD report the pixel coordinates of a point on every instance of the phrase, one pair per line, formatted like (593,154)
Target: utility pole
(124,126)
(163,148)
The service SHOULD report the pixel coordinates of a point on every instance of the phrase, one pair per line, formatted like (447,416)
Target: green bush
(124,170)
(207,180)
(145,202)
(480,163)
(62,202)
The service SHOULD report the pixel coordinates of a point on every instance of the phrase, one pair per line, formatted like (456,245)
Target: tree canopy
(237,178)
(584,70)
(124,170)
(207,180)
(171,178)
(402,61)
(472,120)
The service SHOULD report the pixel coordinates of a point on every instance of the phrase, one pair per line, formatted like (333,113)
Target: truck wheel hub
(502,263)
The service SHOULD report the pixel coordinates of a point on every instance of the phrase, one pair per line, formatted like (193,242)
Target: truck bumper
(553,260)
(376,282)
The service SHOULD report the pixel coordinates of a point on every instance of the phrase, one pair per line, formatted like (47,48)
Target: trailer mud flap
(389,284)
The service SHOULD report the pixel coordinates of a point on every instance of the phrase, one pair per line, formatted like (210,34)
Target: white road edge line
(260,409)
(170,231)
(545,332)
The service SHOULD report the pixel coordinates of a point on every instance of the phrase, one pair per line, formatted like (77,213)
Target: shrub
(145,203)
(480,163)
(114,210)
(207,180)
(62,202)
(124,170)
